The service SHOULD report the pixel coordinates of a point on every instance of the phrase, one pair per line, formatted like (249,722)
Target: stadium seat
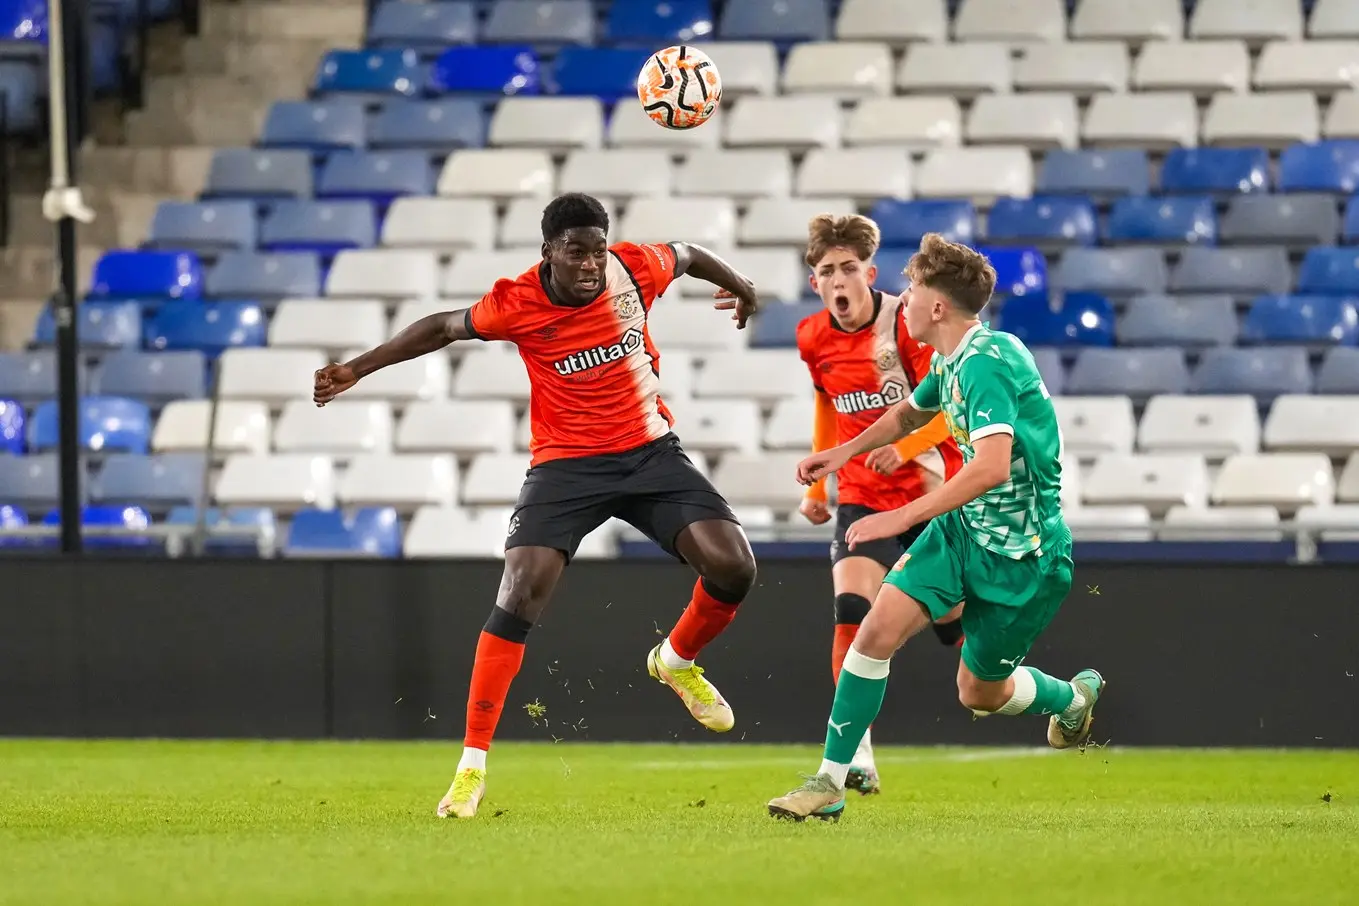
(441,125)
(862,174)
(1201,67)
(1324,424)
(1264,373)
(1149,20)
(777,324)
(776,273)
(1162,221)
(910,123)
(1350,230)
(271,375)
(238,532)
(775,20)
(155,482)
(898,22)
(498,174)
(494,479)
(1082,67)
(1339,371)
(782,221)
(1080,319)
(1243,271)
(20,90)
(1214,427)
(1347,489)
(1017,21)
(463,427)
(540,22)
(442,224)
(676,325)
(31,377)
(767,375)
(1047,222)
(630,127)
(1321,66)
(904,223)
(1019,271)
(982,174)
(204,227)
(747,67)
(99,518)
(1094,425)
(1274,119)
(371,532)
(339,123)
(487,72)
(1257,22)
(423,26)
(521,236)
(1329,271)
(287,483)
(741,174)
(621,174)
(678,373)
(491,374)
(264,277)
(1333,19)
(1296,220)
(707,221)
(157,377)
(1215,171)
(380,176)
(607,73)
(1156,481)
(404,481)
(210,328)
(1328,166)
(259,173)
(1221,523)
(1112,272)
(327,324)
(795,123)
(1190,321)
(238,427)
(1329,523)
(1101,174)
(474,275)
(423,378)
(1286,481)
(108,424)
(13,427)
(384,273)
(962,70)
(111,325)
(32,482)
(369,74)
(1155,120)
(1302,320)
(844,71)
(1139,373)
(762,479)
(1123,524)
(650,21)
(1037,119)
(718,426)
(790,424)
(454,532)
(147,275)
(576,123)
(324,227)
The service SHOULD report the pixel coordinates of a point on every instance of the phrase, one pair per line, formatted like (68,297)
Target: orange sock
(844,637)
(702,621)
(497,662)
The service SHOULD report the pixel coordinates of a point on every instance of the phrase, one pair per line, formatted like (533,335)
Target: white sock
(1026,690)
(672,660)
(472,758)
(863,756)
(1077,703)
(837,772)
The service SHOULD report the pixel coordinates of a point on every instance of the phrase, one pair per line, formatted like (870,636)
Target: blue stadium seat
(111,325)
(1327,166)
(147,274)
(12,517)
(489,71)
(1339,371)
(1101,174)
(315,125)
(259,173)
(371,532)
(777,324)
(108,424)
(1047,221)
(1139,373)
(1112,272)
(1262,372)
(1050,369)
(106,52)
(1302,320)
(1329,271)
(28,377)
(423,26)
(1190,321)
(210,328)
(1169,220)
(156,482)
(783,21)
(369,73)
(1349,231)
(540,23)
(128,517)
(1215,171)
(157,377)
(380,176)
(24,21)
(265,277)
(905,222)
(19,87)
(325,227)
(204,227)
(13,427)
(1297,220)
(235,532)
(1020,271)
(1242,271)
(1078,319)
(891,261)
(441,125)
(608,73)
(660,21)
(32,481)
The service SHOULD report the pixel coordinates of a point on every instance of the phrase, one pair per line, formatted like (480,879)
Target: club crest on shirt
(888,359)
(957,392)
(627,305)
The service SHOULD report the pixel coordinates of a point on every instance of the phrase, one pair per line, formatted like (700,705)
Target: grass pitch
(283,823)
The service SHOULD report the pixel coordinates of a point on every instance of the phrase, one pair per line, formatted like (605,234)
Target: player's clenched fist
(819,465)
(330,381)
(814,511)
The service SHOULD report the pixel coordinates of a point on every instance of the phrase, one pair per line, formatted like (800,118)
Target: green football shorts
(1008,602)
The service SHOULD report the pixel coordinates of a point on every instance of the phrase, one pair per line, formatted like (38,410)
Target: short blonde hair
(851,231)
(961,274)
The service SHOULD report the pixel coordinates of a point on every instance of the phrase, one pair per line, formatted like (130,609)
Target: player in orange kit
(863,362)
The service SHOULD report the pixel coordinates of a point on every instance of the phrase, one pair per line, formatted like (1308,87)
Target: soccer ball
(679,87)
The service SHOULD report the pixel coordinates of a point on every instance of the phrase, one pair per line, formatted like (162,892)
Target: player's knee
(730,576)
(524,592)
(851,609)
(977,696)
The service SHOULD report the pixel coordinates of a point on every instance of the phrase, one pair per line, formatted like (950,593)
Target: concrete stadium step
(218,92)
(121,218)
(177,172)
(17,318)
(341,22)
(294,59)
(30,271)
(232,125)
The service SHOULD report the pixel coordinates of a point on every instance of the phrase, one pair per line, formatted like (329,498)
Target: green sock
(858,698)
(1050,695)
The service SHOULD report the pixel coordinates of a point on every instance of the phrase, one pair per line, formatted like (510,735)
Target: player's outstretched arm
(426,335)
(895,423)
(738,292)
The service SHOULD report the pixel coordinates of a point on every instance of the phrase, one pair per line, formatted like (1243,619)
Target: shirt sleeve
(990,397)
(489,317)
(823,437)
(925,397)
(653,267)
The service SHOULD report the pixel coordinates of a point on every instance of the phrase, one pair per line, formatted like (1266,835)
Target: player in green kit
(996,538)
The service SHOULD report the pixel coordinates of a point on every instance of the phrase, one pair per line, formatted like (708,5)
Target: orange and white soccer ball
(679,87)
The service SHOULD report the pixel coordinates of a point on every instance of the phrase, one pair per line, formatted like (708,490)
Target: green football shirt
(990,385)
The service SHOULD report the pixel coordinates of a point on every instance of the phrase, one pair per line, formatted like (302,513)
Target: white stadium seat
(441,531)
(1347,488)
(1158,120)
(1222,523)
(677,370)
(286,483)
(1146,20)
(523,432)
(1330,523)
(674,324)
(766,375)
(790,425)
(706,221)
(494,479)
(783,221)
(913,123)
(519,121)
(475,274)
(241,427)
(1129,522)
(741,174)
(616,174)
(1326,424)
(796,123)
(425,378)
(1198,66)
(464,427)
(630,127)
(1156,481)
(384,273)
(895,21)
(859,173)
(1212,426)
(1036,120)
(1081,67)
(1274,119)
(272,375)
(1093,425)
(1283,480)
(491,374)
(1323,66)
(718,426)
(777,274)
(1334,19)
(1010,20)
(1342,117)
(982,174)
(1253,20)
(499,172)
(1072,481)
(842,69)
(747,67)
(341,427)
(959,69)
(412,310)
(522,228)
(764,479)
(440,223)
(405,481)
(328,325)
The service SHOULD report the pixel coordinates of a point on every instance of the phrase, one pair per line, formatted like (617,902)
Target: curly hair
(851,231)
(961,274)
(575,209)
